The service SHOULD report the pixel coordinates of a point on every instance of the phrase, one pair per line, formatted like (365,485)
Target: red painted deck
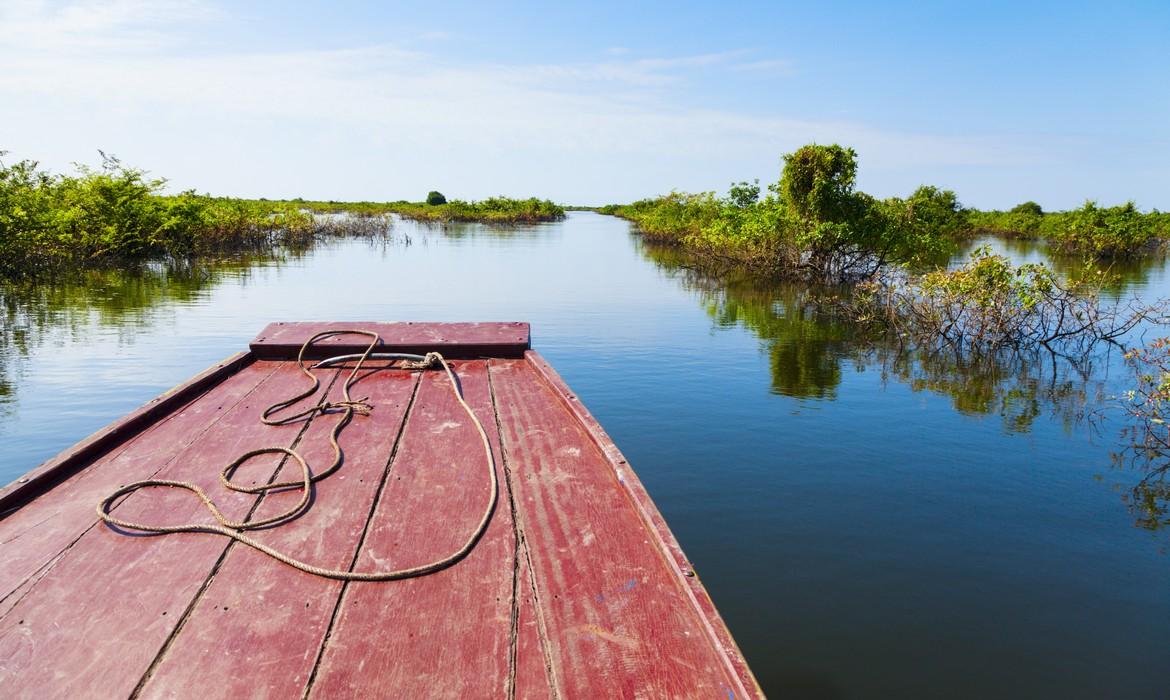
(577,589)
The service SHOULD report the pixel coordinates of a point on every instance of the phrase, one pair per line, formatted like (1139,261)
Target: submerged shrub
(1106,231)
(499,210)
(989,305)
(115,213)
(1148,437)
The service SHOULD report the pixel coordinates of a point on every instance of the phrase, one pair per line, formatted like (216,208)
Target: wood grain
(577,589)
(664,539)
(36,533)
(93,624)
(258,615)
(454,340)
(619,622)
(448,634)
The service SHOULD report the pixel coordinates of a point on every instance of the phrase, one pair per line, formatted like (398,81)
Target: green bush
(813,224)
(1106,231)
(118,213)
(1030,208)
(498,210)
(435,198)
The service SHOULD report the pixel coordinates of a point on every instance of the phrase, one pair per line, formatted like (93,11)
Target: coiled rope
(235,529)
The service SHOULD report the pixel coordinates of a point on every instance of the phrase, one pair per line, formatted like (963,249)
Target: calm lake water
(870,525)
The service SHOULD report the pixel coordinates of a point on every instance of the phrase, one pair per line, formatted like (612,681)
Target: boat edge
(44,477)
(667,543)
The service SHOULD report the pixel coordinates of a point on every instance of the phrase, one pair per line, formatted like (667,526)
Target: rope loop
(349,407)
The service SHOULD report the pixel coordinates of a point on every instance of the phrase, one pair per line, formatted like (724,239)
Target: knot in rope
(431,359)
(359,406)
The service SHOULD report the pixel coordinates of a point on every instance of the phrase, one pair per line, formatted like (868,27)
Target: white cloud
(381,121)
(76,27)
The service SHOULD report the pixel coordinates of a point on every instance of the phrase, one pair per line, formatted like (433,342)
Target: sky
(599,102)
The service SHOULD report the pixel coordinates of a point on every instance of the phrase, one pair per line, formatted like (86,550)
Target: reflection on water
(33,314)
(871,521)
(1125,277)
(809,346)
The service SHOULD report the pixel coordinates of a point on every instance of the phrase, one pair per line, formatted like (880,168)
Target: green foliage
(1098,232)
(989,283)
(990,306)
(812,225)
(1010,224)
(116,213)
(493,210)
(817,185)
(744,194)
(671,217)
(1107,231)
(1148,404)
(1029,207)
(435,198)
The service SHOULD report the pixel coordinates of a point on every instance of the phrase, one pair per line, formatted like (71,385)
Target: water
(869,525)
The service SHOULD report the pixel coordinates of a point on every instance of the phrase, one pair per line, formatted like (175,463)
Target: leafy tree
(744,194)
(1028,207)
(435,198)
(817,183)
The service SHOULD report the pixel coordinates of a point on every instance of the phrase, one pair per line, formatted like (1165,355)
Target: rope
(235,529)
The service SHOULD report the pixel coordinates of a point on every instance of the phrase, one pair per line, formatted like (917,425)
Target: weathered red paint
(577,589)
(454,340)
(257,613)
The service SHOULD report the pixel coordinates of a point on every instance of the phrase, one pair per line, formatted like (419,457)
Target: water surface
(869,524)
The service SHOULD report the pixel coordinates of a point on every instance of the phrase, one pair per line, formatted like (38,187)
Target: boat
(536,564)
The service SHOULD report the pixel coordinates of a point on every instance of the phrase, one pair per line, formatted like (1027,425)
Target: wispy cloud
(76,27)
(607,126)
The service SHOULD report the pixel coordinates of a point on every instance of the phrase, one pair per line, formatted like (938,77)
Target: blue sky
(595,102)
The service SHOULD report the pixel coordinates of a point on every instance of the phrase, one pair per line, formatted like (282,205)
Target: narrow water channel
(869,524)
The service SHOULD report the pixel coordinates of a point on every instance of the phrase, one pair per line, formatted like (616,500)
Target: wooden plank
(259,625)
(282,341)
(664,539)
(448,634)
(36,533)
(55,470)
(619,620)
(533,676)
(92,626)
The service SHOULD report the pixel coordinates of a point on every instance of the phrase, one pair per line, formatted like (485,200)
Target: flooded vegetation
(116,215)
(814,225)
(493,210)
(1015,492)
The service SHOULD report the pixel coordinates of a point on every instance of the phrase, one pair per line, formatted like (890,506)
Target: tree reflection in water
(809,346)
(34,312)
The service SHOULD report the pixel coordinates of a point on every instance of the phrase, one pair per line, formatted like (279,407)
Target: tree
(817,183)
(744,194)
(1027,208)
(435,198)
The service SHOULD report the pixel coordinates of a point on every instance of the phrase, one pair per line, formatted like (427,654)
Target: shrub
(989,305)
(1106,231)
(435,198)
(1030,208)
(117,213)
(813,224)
